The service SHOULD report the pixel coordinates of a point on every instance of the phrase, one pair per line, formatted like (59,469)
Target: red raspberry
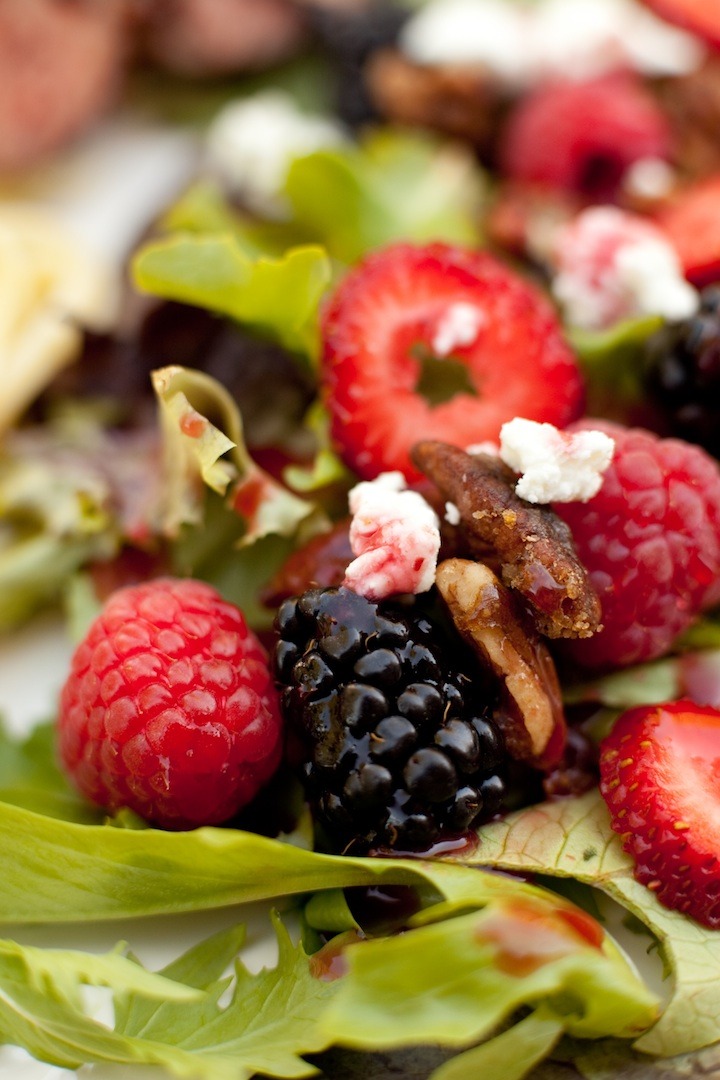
(169,707)
(658,776)
(583,136)
(691,221)
(651,541)
(466,313)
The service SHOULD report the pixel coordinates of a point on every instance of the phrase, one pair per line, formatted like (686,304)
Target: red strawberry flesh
(660,776)
(390,311)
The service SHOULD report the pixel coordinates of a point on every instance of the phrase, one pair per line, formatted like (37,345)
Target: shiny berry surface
(169,708)
(398,748)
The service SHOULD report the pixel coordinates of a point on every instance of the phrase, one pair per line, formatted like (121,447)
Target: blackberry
(399,748)
(350,38)
(683,374)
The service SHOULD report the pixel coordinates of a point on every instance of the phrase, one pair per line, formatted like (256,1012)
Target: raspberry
(682,376)
(169,708)
(398,745)
(583,136)
(658,776)
(651,541)
(439,343)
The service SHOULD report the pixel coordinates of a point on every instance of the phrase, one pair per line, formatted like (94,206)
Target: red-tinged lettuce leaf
(199,454)
(572,838)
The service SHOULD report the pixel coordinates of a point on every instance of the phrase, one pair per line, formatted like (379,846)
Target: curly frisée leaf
(572,838)
(277,297)
(41,1004)
(198,453)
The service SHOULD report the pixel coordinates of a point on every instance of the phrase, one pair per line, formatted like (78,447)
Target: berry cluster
(398,748)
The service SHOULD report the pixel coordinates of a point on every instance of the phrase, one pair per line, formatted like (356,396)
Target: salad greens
(502,973)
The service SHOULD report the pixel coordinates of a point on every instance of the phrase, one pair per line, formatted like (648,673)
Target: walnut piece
(458,101)
(532,544)
(496,627)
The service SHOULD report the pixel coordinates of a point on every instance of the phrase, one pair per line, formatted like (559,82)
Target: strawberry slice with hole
(659,775)
(439,342)
(691,220)
(701,17)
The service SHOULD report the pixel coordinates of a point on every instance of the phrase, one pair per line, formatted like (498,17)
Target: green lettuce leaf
(572,838)
(276,297)
(270,1020)
(41,1003)
(612,361)
(30,777)
(394,185)
(512,1054)
(482,946)
(56,512)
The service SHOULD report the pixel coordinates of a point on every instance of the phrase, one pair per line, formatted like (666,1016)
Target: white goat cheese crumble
(576,39)
(556,466)
(395,536)
(612,265)
(459,326)
(253,140)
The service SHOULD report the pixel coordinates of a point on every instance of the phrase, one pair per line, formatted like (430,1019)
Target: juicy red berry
(691,221)
(169,708)
(440,343)
(582,136)
(658,776)
(651,541)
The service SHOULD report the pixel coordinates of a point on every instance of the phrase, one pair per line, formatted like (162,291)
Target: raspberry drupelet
(169,708)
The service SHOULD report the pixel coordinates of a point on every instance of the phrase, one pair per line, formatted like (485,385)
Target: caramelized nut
(494,624)
(532,544)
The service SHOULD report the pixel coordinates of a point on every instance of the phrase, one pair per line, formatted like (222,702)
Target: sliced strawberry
(659,772)
(701,17)
(692,222)
(439,343)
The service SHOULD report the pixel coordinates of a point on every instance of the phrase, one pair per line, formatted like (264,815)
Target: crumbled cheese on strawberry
(556,466)
(525,44)
(612,265)
(459,326)
(253,140)
(395,535)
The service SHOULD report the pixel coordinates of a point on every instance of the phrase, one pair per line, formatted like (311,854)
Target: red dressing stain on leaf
(250,495)
(193,424)
(527,937)
(330,962)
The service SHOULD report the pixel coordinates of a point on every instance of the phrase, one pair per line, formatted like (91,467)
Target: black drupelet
(399,749)
(683,374)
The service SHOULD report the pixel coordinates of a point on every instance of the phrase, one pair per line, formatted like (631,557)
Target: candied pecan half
(497,628)
(457,101)
(533,545)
